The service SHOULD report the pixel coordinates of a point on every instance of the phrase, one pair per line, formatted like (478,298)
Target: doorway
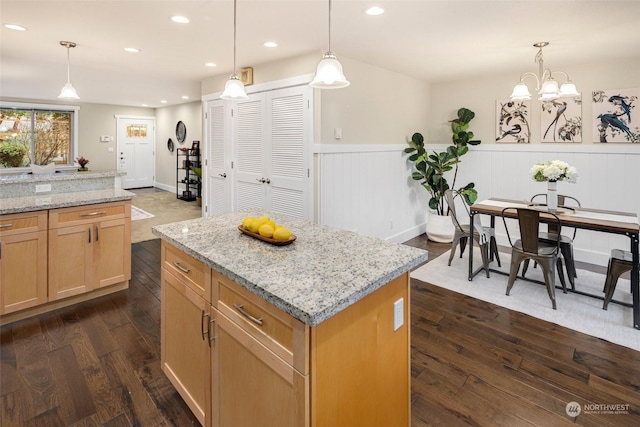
(136,150)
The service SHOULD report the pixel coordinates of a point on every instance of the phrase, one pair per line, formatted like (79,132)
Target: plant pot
(439,228)
(199,200)
(83,169)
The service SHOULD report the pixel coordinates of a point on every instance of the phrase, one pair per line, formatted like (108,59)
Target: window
(38,134)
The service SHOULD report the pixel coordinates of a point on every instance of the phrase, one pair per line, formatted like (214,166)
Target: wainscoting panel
(368,188)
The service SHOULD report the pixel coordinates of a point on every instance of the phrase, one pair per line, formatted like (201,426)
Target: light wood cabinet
(268,368)
(23,261)
(89,248)
(186,329)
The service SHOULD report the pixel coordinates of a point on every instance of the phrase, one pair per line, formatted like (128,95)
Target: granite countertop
(62,200)
(322,272)
(63,175)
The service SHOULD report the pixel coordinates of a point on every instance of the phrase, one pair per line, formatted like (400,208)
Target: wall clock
(181,132)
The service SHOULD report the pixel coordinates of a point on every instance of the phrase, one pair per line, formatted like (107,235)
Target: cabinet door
(185,354)
(70,261)
(23,271)
(112,252)
(254,386)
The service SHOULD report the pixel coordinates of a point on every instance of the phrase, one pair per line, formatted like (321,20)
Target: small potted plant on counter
(83,164)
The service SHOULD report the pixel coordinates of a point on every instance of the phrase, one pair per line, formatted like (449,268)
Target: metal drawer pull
(211,338)
(89,229)
(247,315)
(97,233)
(181,268)
(6,225)
(93,213)
(204,315)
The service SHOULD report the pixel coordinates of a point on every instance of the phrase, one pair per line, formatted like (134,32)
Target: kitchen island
(315,333)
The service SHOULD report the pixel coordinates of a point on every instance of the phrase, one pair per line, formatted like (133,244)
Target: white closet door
(288,153)
(217,173)
(250,143)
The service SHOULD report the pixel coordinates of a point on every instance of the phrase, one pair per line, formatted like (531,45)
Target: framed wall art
(561,120)
(512,121)
(615,116)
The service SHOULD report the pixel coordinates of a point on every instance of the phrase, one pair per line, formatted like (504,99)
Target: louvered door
(289,133)
(217,173)
(263,147)
(250,143)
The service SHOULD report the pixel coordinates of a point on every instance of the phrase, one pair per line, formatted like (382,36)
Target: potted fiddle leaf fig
(434,169)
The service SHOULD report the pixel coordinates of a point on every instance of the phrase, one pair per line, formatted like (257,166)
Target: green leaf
(409,150)
(417,138)
(465,115)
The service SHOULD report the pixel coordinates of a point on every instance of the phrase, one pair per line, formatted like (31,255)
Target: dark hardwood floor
(473,363)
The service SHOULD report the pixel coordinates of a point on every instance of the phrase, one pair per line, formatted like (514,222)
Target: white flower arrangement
(554,170)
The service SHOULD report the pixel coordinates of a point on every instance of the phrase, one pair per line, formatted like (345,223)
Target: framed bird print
(561,120)
(616,117)
(512,121)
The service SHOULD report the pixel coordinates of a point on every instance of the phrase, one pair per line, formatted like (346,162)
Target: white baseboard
(165,187)
(409,234)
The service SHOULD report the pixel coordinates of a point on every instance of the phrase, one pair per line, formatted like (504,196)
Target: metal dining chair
(620,262)
(530,247)
(566,241)
(485,236)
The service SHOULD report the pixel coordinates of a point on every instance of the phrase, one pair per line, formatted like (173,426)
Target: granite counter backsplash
(24,185)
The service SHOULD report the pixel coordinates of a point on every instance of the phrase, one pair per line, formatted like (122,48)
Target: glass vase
(552,196)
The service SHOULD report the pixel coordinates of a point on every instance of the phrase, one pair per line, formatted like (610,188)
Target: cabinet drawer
(278,331)
(23,223)
(90,213)
(189,270)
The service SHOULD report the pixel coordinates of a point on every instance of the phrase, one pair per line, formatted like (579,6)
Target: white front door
(136,151)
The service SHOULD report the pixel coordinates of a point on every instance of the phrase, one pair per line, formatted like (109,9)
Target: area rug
(137,214)
(574,311)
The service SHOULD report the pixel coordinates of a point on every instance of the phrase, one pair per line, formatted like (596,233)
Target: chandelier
(546,85)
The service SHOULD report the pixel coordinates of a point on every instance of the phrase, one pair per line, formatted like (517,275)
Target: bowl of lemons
(265,229)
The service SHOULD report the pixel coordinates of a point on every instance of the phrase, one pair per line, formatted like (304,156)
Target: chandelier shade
(329,74)
(546,86)
(68,91)
(234,89)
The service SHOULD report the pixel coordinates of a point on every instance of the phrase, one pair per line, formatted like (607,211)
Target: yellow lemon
(263,218)
(271,223)
(282,234)
(247,222)
(266,230)
(278,226)
(254,226)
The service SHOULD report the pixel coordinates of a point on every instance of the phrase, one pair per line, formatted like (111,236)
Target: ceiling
(430,40)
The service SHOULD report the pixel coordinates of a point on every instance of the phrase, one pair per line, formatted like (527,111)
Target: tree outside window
(33,136)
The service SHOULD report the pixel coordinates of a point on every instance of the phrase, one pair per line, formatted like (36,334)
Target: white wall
(166,120)
(94,121)
(480,95)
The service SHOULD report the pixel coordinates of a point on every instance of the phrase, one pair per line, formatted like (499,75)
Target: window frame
(74,109)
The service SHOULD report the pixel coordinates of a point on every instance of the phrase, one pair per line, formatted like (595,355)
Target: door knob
(268,181)
(224,175)
(260,180)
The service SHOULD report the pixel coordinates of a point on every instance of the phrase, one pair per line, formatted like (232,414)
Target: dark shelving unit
(188,185)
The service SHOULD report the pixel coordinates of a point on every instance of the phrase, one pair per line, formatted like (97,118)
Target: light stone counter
(63,200)
(324,271)
(66,181)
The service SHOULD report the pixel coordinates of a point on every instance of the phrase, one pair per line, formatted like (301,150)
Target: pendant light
(68,91)
(234,89)
(329,73)
(546,85)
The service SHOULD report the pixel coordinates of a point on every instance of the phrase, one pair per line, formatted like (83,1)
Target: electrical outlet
(398,314)
(43,188)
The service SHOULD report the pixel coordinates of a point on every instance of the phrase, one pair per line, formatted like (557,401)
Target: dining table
(605,221)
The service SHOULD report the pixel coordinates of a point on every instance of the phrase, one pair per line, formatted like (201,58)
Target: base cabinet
(53,258)
(254,386)
(89,248)
(23,261)
(266,368)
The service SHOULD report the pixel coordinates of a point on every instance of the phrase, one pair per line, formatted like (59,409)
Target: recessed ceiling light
(210,64)
(145,105)
(163,101)
(270,44)
(185,97)
(15,27)
(375,10)
(132,49)
(180,19)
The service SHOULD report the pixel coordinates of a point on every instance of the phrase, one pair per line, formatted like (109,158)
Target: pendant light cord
(68,67)
(329,25)
(235,73)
